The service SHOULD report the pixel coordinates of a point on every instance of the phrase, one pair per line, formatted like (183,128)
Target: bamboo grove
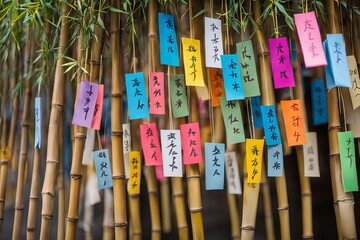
(179,119)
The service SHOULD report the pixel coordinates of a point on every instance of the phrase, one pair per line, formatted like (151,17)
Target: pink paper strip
(157,94)
(310,39)
(150,144)
(95,124)
(281,63)
(190,142)
(159,172)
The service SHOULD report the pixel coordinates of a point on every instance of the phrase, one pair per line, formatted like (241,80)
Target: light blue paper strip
(271,127)
(318,102)
(256,112)
(38,122)
(103,168)
(232,77)
(214,165)
(169,53)
(275,160)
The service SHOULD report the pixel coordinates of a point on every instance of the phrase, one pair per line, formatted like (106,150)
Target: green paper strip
(233,120)
(179,103)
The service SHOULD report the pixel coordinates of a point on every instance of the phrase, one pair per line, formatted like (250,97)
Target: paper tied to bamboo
(213,42)
(318,102)
(159,173)
(310,39)
(136,96)
(234,89)
(92,190)
(135,173)
(311,156)
(337,70)
(169,53)
(150,144)
(232,174)
(355,81)
(280,60)
(191,143)
(103,168)
(85,104)
(271,126)
(214,166)
(96,121)
(4,153)
(157,93)
(233,121)
(126,147)
(192,62)
(254,154)
(38,123)
(179,101)
(348,161)
(275,158)
(89,147)
(249,76)
(256,111)
(217,86)
(171,153)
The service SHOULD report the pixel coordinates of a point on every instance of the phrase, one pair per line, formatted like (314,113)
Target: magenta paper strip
(157,94)
(281,63)
(150,144)
(191,144)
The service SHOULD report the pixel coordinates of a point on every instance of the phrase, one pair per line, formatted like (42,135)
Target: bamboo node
(34,197)
(72,219)
(262,54)
(80,136)
(30,229)
(348,200)
(121,225)
(334,127)
(47,216)
(153,192)
(117,133)
(153,36)
(117,94)
(156,229)
(194,210)
(19,208)
(178,195)
(49,193)
(52,161)
(248,228)
(25,124)
(115,30)
(4,161)
(76,175)
(306,194)
(283,208)
(308,237)
(188,177)
(134,195)
(121,176)
(93,62)
(57,105)
(136,233)
(184,226)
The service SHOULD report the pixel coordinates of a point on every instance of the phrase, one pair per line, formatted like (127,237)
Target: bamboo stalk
(165,205)
(54,122)
(61,185)
(117,90)
(268,98)
(344,200)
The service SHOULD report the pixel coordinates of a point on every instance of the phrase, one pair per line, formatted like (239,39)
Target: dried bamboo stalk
(61,185)
(165,205)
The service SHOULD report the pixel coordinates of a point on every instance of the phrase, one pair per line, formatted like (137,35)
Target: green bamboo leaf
(199,13)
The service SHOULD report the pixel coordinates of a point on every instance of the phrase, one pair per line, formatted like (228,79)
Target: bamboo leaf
(199,13)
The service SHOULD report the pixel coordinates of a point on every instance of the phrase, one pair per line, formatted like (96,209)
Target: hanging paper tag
(85,104)
(275,160)
(171,152)
(179,102)
(256,112)
(271,127)
(214,165)
(233,121)
(135,173)
(232,77)
(318,100)
(217,86)
(355,81)
(348,161)
(246,57)
(337,72)
(92,191)
(169,53)
(159,172)
(293,119)
(311,157)
(150,144)
(89,147)
(232,174)
(191,143)
(310,39)
(281,63)
(4,153)
(95,124)
(157,93)
(254,153)
(38,122)
(213,42)
(103,168)
(136,96)
(126,147)
(192,62)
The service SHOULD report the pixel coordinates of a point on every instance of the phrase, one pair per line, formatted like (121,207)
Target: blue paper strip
(232,78)
(256,111)
(271,127)
(275,160)
(214,165)
(38,122)
(169,53)
(318,102)
(103,168)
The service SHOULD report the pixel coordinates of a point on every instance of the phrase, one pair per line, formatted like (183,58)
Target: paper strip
(179,102)
(157,93)
(192,62)
(217,86)
(169,53)
(150,144)
(232,174)
(355,81)
(96,121)
(319,104)
(191,143)
(311,156)
(135,173)
(214,166)
(232,77)
(271,127)
(159,172)
(275,160)
(171,152)
(92,191)
(126,147)
(254,153)
(103,168)
(89,147)
(213,42)
(38,122)
(233,121)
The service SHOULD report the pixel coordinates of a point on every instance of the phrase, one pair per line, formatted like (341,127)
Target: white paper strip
(89,147)
(213,42)
(232,173)
(126,147)
(92,191)
(311,157)
(171,153)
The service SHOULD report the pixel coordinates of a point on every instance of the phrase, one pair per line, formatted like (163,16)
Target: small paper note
(232,174)
(136,96)
(103,168)
(232,77)
(213,42)
(179,102)
(293,119)
(348,161)
(135,173)
(38,122)
(157,93)
(169,53)
(256,112)
(217,86)
(310,39)
(150,144)
(191,143)
(233,121)
(281,63)
(319,104)
(89,147)
(4,153)
(96,121)
(171,152)
(92,191)
(355,81)
(311,157)
(271,127)
(254,154)
(159,172)
(275,160)
(192,62)
(246,57)
(126,147)
(85,104)
(214,166)
(337,72)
